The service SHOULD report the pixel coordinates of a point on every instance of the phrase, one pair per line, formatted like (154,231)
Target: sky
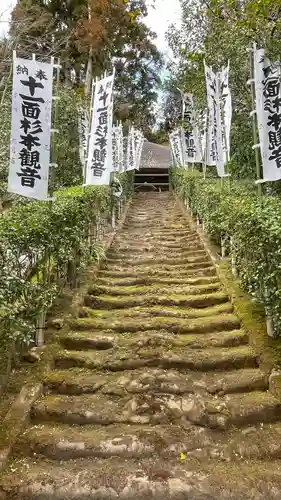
(158,19)
(5,9)
(164,13)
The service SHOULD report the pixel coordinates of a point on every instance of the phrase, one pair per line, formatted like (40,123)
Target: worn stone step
(155,254)
(176,243)
(75,381)
(102,409)
(156,280)
(197,360)
(253,407)
(159,232)
(116,291)
(222,322)
(77,342)
(133,268)
(64,442)
(159,238)
(160,479)
(151,339)
(194,301)
(140,272)
(152,311)
(200,261)
(84,381)
(132,248)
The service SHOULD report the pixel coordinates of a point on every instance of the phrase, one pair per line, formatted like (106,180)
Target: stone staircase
(155,393)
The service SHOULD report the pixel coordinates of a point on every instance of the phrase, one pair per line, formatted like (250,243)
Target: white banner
(219,118)
(268,106)
(31,128)
(192,153)
(226,109)
(212,150)
(175,139)
(139,147)
(99,153)
(83,132)
(203,135)
(115,132)
(120,149)
(125,153)
(110,137)
(131,150)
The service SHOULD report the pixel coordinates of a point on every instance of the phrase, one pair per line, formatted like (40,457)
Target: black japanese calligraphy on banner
(268,107)
(191,151)
(83,132)
(120,149)
(115,131)
(131,158)
(175,139)
(99,164)
(31,128)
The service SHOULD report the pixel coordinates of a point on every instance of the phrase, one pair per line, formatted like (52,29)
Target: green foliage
(234,212)
(90,36)
(221,31)
(41,246)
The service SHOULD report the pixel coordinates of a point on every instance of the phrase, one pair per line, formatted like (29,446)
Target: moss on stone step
(142,480)
(122,359)
(153,339)
(83,381)
(178,325)
(153,311)
(187,263)
(74,381)
(199,301)
(141,273)
(145,281)
(116,291)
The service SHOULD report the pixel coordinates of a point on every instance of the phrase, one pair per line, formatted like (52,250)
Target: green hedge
(42,247)
(233,212)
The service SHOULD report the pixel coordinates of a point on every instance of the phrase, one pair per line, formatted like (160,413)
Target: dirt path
(155,393)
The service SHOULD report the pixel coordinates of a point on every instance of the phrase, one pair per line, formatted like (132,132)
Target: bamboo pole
(251,50)
(47,264)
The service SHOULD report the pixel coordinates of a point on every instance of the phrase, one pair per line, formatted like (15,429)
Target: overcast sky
(165,13)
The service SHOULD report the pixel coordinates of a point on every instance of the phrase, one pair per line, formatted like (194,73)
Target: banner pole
(205,153)
(251,51)
(46,273)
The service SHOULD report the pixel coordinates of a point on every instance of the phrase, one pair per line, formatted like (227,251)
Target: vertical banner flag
(110,137)
(268,108)
(212,152)
(172,148)
(83,132)
(131,160)
(191,145)
(139,147)
(115,131)
(226,110)
(175,139)
(31,128)
(125,153)
(99,152)
(203,135)
(219,118)
(120,149)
